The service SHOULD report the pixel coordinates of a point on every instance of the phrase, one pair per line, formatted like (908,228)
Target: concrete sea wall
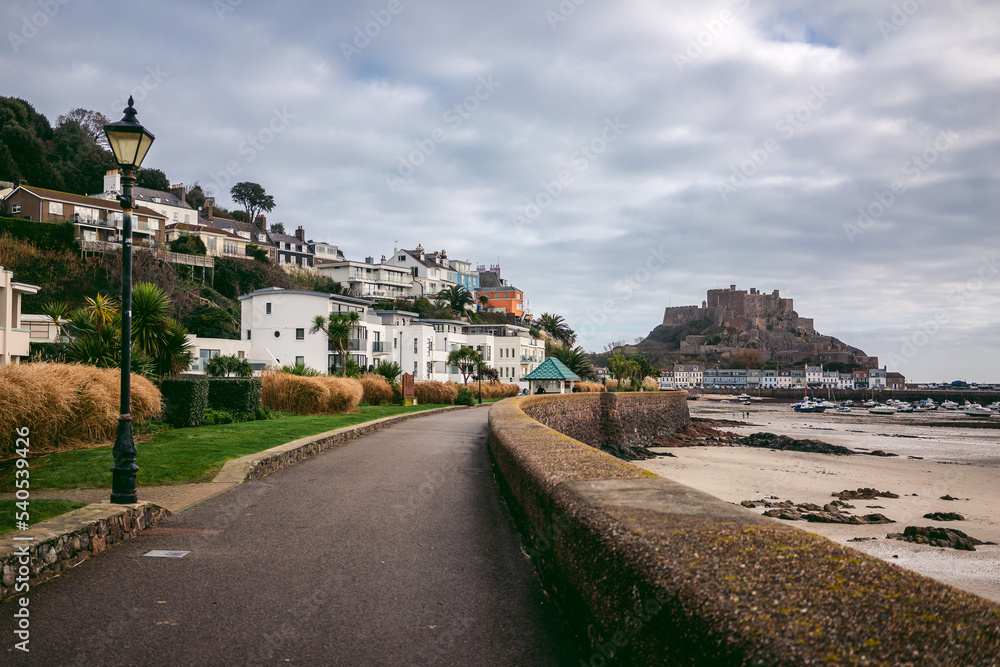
(652,572)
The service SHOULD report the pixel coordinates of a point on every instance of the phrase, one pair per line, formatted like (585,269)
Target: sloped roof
(552,369)
(83,200)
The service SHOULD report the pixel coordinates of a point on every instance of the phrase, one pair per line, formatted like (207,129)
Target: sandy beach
(955,461)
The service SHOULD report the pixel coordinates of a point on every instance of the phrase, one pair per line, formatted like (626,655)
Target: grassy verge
(188,454)
(40,510)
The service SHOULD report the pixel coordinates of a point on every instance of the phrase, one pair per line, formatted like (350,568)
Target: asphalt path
(393,549)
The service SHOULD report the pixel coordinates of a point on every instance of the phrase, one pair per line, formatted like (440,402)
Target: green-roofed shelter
(552,376)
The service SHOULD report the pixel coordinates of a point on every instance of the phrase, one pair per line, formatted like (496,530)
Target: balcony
(381,347)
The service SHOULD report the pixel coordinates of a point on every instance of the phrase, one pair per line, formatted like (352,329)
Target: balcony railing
(381,347)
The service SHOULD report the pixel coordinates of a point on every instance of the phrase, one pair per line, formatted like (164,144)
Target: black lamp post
(480,376)
(129,142)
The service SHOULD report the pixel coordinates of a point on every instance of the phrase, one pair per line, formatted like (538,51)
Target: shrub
(377,389)
(185,400)
(66,406)
(493,390)
(240,396)
(213,417)
(589,386)
(345,394)
(650,384)
(435,392)
(262,414)
(465,397)
(284,392)
(45,235)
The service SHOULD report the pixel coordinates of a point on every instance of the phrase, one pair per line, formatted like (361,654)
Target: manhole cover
(180,532)
(163,553)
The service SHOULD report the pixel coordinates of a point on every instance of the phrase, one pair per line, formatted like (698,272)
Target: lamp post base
(124,470)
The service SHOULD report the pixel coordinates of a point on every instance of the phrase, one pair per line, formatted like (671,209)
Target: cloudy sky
(613,157)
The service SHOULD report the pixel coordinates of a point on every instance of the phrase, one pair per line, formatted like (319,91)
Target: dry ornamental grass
(377,389)
(589,386)
(435,392)
(67,406)
(285,392)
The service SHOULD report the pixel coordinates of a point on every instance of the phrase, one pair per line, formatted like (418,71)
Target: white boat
(869,403)
(949,405)
(743,397)
(808,406)
(843,408)
(978,411)
(882,410)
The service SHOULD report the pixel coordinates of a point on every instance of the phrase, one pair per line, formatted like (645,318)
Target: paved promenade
(392,549)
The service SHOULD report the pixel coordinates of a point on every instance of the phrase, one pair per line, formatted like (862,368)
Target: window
(175,217)
(15,208)
(277,334)
(300,360)
(210,243)
(55,208)
(415,350)
(267,308)
(300,334)
(248,334)
(414,368)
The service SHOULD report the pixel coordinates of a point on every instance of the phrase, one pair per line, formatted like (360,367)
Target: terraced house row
(692,376)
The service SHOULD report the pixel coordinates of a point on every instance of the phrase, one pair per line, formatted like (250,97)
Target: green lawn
(39,510)
(188,454)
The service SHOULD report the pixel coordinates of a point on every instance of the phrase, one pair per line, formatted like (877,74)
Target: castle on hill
(763,322)
(741,310)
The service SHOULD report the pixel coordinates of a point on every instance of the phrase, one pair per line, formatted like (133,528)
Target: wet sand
(956,461)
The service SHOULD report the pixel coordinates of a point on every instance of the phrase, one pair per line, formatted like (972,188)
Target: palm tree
(101,311)
(390,370)
(484,301)
(556,327)
(58,312)
(458,298)
(150,311)
(225,365)
(575,359)
(466,360)
(339,330)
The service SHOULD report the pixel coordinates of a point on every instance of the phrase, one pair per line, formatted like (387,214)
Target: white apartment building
(369,280)
(666,380)
(278,322)
(877,378)
(517,352)
(15,337)
(429,272)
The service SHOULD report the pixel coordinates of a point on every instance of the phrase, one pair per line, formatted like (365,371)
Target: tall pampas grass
(435,392)
(67,406)
(303,395)
(377,389)
(492,390)
(589,386)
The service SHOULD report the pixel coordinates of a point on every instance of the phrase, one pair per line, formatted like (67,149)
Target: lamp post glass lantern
(130,142)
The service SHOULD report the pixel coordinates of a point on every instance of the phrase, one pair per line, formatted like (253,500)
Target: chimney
(113,181)
(369,260)
(178,191)
(206,209)
(732,288)
(383,259)
(261,223)
(300,234)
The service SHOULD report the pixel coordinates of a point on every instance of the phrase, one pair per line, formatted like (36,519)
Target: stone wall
(651,572)
(618,423)
(48,548)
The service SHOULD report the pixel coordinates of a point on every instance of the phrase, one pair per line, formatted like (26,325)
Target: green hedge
(45,235)
(185,400)
(237,396)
